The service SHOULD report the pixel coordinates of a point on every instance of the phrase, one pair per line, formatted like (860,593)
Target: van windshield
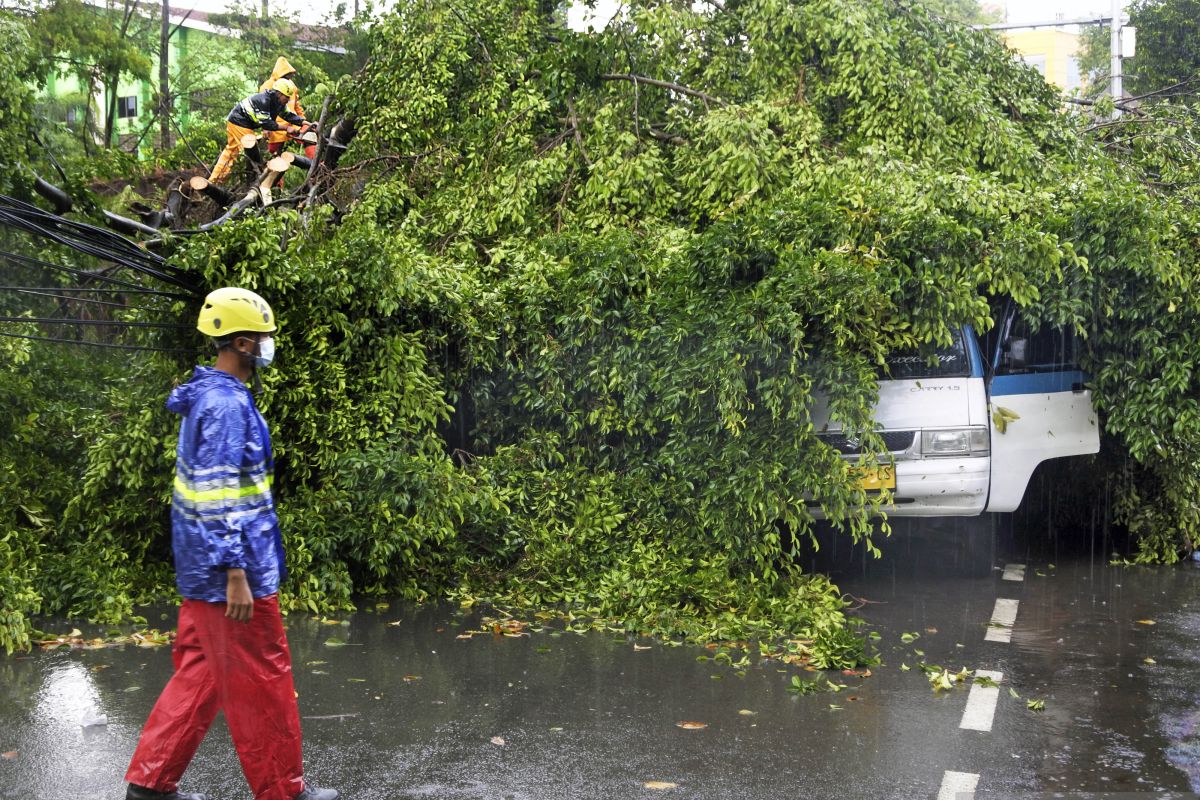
(929,361)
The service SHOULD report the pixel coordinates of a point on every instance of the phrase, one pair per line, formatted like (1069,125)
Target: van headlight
(955,442)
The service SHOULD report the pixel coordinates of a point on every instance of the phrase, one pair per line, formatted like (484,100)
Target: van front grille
(895,441)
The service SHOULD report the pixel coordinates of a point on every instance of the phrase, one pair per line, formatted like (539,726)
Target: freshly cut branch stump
(250,148)
(210,190)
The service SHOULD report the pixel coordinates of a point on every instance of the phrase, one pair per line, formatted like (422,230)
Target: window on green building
(127,107)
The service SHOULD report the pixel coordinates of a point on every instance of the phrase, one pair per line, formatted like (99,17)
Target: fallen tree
(554,329)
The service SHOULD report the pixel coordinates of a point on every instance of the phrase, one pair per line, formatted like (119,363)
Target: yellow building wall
(1054,48)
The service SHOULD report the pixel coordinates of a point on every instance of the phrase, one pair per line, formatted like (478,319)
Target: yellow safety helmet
(233,310)
(285,87)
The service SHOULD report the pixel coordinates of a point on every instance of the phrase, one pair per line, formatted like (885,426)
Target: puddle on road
(409,710)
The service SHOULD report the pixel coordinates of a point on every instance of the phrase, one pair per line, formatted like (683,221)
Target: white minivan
(965,431)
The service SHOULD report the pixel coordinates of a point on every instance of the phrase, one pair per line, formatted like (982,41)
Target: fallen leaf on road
(1148,660)
(931,630)
(9,756)
(691,726)
(411,678)
(498,741)
(1146,622)
(637,648)
(660,785)
(834,707)
(745,712)
(1036,705)
(394,624)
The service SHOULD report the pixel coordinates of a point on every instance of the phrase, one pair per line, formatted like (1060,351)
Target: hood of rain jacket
(282,67)
(222,513)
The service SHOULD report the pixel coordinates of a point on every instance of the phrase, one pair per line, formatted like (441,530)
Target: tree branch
(675,87)
(578,136)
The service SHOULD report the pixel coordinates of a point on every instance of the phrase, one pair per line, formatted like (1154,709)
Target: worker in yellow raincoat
(277,139)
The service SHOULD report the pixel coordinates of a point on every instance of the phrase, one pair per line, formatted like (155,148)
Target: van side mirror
(1017,350)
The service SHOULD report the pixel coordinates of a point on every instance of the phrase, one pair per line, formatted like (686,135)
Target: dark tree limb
(127,225)
(210,190)
(574,119)
(663,136)
(58,198)
(675,87)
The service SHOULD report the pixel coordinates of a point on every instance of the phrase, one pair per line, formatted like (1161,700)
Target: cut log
(288,156)
(211,191)
(250,148)
(272,175)
(58,198)
(301,162)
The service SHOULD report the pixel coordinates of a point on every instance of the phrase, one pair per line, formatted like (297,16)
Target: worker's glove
(293,130)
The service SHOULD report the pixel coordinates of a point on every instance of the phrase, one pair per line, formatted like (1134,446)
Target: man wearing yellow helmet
(258,112)
(276,140)
(231,653)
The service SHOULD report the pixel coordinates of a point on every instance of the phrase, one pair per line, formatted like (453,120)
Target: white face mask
(266,353)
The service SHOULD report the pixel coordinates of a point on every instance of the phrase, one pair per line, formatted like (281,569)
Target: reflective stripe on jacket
(222,513)
(261,110)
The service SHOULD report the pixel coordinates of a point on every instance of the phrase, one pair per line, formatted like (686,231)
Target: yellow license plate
(877,478)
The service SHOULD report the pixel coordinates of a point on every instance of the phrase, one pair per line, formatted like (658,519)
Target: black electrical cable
(110,322)
(93,241)
(87,290)
(84,300)
(109,345)
(30,261)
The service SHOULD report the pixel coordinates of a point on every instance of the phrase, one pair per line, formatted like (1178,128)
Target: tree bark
(164,77)
(211,191)
(58,198)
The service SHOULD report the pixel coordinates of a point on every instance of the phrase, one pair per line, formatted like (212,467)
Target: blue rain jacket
(222,514)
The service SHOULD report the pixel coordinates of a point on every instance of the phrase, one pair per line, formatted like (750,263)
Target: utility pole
(164,77)
(1114,51)
(1115,23)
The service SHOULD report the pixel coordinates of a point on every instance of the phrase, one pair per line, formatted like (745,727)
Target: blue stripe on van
(1037,382)
(973,352)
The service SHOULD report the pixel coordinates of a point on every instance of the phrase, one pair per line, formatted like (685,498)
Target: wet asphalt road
(408,710)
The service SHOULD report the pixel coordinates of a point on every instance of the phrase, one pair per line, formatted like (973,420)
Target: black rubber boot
(313,793)
(135,792)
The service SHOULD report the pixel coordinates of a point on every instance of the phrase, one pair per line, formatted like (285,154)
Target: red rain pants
(243,669)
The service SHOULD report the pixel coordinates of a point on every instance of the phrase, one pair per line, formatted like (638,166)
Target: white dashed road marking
(1014,572)
(1003,618)
(958,786)
(981,703)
